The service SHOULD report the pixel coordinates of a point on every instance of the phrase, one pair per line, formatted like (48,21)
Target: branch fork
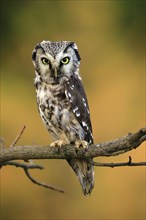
(110,148)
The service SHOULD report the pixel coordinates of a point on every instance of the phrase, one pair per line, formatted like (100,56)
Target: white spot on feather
(72,87)
(75,109)
(69,95)
(77,114)
(42,94)
(84,124)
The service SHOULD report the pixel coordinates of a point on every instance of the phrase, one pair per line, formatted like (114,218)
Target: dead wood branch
(110,148)
(18,137)
(112,165)
(26,167)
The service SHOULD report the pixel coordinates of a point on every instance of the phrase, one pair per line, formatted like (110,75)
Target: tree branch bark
(26,168)
(110,148)
(112,165)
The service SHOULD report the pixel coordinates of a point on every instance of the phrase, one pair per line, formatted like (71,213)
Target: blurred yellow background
(111,40)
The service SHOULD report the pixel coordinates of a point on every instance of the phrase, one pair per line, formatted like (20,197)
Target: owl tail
(85,174)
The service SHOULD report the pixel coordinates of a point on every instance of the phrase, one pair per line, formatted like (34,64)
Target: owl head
(56,61)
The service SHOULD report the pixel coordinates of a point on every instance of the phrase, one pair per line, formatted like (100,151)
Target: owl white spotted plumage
(62,101)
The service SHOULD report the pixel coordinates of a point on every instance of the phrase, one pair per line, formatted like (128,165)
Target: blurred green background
(111,40)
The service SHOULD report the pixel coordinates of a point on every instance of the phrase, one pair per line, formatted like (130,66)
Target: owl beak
(55,72)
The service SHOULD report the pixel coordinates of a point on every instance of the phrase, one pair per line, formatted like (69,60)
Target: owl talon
(81,144)
(58,143)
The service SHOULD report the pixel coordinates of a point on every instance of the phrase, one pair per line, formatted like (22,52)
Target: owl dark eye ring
(45,60)
(65,60)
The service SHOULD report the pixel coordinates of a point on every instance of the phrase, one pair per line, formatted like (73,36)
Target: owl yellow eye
(65,60)
(45,61)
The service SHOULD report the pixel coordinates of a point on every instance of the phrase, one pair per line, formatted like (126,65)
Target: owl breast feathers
(62,101)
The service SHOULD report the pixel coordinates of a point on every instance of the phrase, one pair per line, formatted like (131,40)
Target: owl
(62,102)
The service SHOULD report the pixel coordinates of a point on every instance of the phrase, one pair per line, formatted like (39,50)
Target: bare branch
(26,168)
(112,165)
(22,165)
(42,184)
(18,137)
(110,148)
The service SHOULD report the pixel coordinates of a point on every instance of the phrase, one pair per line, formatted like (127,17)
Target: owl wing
(79,105)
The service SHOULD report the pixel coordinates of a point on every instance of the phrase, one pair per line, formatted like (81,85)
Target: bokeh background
(111,40)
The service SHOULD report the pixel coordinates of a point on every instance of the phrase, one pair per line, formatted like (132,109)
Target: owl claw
(81,143)
(58,143)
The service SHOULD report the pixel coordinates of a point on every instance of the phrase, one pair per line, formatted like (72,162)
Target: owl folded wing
(76,95)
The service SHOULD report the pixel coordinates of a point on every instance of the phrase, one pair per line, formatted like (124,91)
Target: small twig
(130,160)
(26,168)
(112,165)
(22,165)
(18,137)
(40,183)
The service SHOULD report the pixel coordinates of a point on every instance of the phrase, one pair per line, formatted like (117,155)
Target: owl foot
(58,143)
(81,144)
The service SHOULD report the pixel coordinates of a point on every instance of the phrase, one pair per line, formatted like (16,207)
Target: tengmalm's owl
(62,101)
